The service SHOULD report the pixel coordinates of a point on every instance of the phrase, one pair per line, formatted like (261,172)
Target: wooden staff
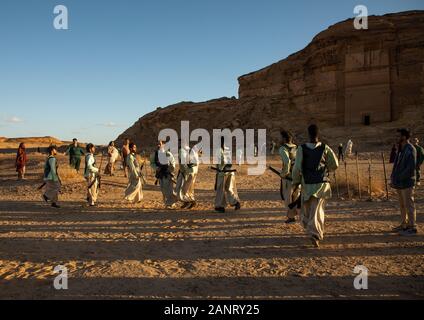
(369,179)
(385,176)
(347,181)
(357,173)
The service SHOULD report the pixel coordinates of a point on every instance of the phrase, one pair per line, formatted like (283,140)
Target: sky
(122,59)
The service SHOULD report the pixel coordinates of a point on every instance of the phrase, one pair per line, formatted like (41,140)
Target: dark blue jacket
(404,174)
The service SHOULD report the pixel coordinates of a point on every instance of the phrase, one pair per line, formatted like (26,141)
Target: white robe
(134,192)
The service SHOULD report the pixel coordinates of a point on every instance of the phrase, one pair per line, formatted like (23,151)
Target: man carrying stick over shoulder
(291,191)
(51,178)
(314,162)
(163,162)
(225,181)
(91,174)
(183,154)
(189,162)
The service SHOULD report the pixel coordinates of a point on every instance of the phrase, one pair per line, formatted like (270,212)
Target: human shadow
(284,287)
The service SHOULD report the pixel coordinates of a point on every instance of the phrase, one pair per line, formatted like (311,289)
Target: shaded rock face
(357,84)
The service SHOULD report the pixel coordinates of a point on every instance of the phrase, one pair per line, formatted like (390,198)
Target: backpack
(314,168)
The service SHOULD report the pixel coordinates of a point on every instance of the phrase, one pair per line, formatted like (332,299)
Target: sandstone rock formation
(358,84)
(29,141)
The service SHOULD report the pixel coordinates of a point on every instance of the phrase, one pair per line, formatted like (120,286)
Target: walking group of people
(305,176)
(174,190)
(164,165)
(305,183)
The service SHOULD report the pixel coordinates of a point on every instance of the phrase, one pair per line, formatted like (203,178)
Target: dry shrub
(68,174)
(38,154)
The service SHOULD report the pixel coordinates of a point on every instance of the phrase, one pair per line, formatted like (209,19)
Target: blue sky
(122,59)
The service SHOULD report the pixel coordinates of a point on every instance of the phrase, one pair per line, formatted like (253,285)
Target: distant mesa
(358,84)
(31,142)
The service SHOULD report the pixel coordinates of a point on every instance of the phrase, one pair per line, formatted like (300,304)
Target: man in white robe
(91,174)
(134,192)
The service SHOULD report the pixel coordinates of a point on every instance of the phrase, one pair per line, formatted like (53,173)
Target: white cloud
(14,119)
(109,124)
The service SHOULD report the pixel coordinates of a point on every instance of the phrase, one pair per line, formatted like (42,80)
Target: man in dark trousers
(340,152)
(51,178)
(403,179)
(75,153)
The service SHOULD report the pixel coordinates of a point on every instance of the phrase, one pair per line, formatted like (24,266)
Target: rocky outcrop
(208,115)
(354,83)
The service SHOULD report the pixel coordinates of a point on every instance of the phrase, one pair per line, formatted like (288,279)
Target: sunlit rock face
(358,84)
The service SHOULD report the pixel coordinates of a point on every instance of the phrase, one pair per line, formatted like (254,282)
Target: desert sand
(123,251)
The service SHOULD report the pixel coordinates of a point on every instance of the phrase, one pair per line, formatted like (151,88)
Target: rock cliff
(359,84)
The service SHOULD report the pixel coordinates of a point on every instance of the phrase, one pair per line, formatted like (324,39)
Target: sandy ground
(118,250)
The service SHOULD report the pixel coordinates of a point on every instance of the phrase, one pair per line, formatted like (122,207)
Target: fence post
(369,179)
(347,181)
(359,179)
(337,185)
(385,176)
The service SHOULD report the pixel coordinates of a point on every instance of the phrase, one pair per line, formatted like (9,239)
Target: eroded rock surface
(344,79)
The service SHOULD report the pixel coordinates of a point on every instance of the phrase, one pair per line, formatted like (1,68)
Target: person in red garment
(21,160)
